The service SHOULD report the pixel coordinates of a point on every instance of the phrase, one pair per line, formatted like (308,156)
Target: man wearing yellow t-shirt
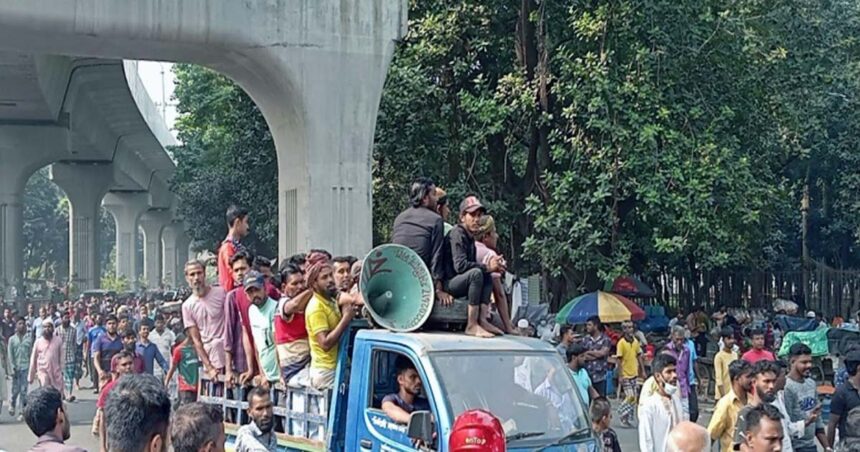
(324,322)
(724,357)
(629,354)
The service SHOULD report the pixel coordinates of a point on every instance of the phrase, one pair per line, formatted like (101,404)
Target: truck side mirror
(421,426)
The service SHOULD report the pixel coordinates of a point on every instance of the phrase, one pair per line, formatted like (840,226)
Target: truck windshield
(533,395)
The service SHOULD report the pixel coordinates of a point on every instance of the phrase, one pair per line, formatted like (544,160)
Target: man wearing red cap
(468,277)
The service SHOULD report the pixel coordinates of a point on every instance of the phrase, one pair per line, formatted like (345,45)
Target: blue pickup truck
(522,381)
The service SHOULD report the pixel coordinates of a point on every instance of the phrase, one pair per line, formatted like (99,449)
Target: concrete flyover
(91,120)
(315,68)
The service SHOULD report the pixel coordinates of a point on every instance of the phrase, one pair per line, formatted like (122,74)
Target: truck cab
(521,381)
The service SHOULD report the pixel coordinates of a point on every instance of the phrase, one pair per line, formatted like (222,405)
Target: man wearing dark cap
(846,398)
(421,229)
(467,277)
(261,315)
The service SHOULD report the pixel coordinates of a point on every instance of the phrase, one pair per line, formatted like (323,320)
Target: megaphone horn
(397,288)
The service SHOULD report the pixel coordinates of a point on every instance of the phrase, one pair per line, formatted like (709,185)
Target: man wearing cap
(846,398)
(466,276)
(47,359)
(486,244)
(261,315)
(421,229)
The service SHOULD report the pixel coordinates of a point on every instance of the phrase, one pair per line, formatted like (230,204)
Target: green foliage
(117,284)
(46,231)
(606,136)
(227,157)
(46,228)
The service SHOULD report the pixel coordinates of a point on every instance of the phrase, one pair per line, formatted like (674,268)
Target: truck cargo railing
(300,413)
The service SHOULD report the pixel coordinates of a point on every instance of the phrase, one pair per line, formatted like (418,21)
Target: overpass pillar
(126,209)
(85,186)
(23,150)
(153,222)
(175,253)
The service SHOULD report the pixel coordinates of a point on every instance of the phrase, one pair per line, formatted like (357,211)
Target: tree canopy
(606,136)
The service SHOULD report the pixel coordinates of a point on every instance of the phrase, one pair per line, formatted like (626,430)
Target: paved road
(15,436)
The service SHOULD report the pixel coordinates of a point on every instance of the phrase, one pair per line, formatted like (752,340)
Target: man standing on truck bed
(237,229)
(203,317)
(291,335)
(400,405)
(261,315)
(324,322)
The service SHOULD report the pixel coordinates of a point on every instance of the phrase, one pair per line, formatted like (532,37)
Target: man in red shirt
(291,336)
(237,229)
(122,364)
(238,346)
(757,353)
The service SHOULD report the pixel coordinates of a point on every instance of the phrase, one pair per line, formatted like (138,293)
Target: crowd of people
(259,325)
(265,323)
(762,402)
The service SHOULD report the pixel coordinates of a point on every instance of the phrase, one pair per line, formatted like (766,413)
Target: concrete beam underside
(315,69)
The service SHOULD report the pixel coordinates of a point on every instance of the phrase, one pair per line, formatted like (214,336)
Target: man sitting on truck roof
(325,324)
(421,229)
(400,405)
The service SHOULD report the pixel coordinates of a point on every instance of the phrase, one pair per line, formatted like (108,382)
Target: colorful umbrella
(631,286)
(610,307)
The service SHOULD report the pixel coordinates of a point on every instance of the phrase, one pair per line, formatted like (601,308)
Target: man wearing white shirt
(163,338)
(662,410)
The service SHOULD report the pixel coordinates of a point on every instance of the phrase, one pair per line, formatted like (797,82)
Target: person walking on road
(19,348)
(723,421)
(47,359)
(801,399)
(726,356)
(661,411)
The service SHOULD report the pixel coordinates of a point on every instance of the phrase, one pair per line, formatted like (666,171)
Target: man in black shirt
(844,400)
(468,277)
(421,229)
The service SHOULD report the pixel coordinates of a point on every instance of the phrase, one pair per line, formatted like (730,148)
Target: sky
(159,80)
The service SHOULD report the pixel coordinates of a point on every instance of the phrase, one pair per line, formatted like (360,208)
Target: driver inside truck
(400,405)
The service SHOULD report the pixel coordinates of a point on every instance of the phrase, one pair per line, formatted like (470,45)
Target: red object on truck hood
(477,430)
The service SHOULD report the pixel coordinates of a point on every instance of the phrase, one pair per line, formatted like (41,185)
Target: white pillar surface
(126,209)
(23,150)
(152,223)
(175,242)
(85,186)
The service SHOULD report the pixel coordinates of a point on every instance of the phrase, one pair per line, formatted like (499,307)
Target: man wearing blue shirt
(96,331)
(693,396)
(580,376)
(148,351)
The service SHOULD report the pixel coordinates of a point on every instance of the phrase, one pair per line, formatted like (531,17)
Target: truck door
(377,431)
